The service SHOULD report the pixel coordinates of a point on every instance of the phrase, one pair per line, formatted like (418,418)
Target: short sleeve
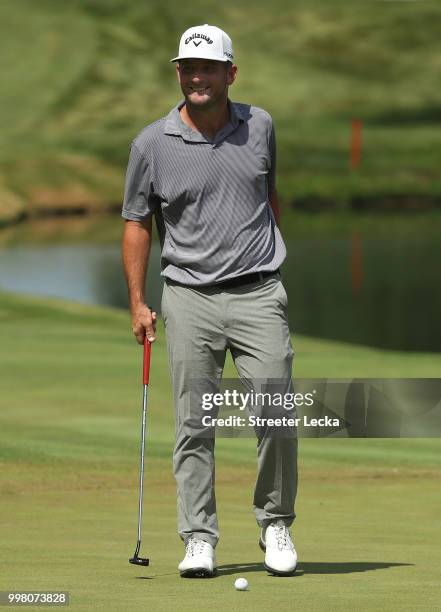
(272,152)
(139,198)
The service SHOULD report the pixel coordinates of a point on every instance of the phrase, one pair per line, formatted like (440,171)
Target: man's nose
(197,76)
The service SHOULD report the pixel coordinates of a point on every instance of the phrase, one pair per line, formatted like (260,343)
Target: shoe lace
(195,547)
(283,537)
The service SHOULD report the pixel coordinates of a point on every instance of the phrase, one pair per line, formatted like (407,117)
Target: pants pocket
(163,303)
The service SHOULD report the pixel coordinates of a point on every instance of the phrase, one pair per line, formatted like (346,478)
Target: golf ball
(241,584)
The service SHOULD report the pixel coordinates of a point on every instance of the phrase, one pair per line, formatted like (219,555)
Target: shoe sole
(277,573)
(272,570)
(198,572)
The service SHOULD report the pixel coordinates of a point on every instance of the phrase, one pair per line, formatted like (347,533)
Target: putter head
(139,561)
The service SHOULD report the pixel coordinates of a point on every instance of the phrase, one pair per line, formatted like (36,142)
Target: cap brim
(214,58)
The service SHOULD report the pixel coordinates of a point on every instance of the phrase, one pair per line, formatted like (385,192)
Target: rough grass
(81,79)
(368,510)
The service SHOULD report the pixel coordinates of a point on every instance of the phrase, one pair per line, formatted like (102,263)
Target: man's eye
(208,69)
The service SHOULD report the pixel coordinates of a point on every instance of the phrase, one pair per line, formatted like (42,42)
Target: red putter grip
(146,365)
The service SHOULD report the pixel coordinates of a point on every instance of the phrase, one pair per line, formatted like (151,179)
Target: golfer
(207,171)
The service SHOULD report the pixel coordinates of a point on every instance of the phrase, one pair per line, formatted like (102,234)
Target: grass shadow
(345,567)
(422,115)
(234,568)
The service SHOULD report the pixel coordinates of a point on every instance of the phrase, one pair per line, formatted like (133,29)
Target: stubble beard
(208,104)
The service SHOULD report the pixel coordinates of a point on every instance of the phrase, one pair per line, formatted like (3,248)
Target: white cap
(205,42)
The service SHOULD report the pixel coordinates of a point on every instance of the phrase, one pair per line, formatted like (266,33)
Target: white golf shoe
(199,560)
(280,554)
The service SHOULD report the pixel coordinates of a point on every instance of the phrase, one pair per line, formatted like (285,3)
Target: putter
(136,560)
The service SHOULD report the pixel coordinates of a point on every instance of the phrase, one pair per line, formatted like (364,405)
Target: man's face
(205,82)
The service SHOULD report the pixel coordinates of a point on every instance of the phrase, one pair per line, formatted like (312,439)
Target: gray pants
(201,324)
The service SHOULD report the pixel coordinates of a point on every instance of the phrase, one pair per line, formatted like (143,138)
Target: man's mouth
(199,90)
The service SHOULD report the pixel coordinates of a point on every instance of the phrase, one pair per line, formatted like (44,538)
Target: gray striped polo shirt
(213,195)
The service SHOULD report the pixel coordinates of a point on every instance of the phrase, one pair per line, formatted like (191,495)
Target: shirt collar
(176,127)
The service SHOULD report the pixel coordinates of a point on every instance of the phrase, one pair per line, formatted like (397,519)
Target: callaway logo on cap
(205,42)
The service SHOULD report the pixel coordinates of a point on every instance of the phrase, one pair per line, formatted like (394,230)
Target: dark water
(384,293)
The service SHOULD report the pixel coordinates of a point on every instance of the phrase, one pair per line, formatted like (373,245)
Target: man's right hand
(143,323)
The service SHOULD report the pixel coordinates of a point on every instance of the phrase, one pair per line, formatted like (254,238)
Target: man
(207,170)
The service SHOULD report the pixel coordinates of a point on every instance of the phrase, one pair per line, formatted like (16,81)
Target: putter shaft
(141,474)
(136,560)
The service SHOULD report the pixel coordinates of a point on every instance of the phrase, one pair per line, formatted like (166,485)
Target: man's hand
(143,323)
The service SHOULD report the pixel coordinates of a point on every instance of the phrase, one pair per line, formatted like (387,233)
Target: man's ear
(178,75)
(231,74)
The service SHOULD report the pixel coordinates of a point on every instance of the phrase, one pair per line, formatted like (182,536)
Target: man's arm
(274,202)
(135,252)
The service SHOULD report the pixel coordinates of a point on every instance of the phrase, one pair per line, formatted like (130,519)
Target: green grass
(82,78)
(367,530)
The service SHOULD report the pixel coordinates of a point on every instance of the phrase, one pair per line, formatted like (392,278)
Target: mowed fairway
(367,531)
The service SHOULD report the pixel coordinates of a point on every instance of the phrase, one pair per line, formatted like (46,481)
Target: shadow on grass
(422,115)
(349,567)
(156,576)
(234,568)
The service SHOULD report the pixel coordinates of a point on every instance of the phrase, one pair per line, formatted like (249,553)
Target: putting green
(368,510)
